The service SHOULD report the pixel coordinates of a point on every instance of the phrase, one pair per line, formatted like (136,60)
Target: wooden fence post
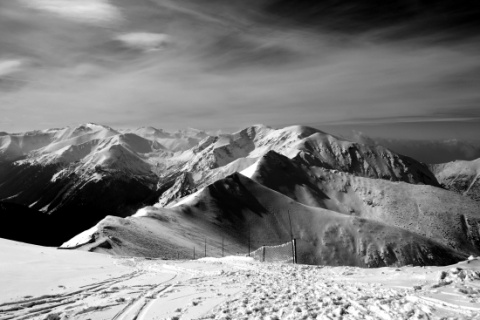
(294,250)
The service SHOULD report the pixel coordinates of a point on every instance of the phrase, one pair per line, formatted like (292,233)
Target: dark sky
(402,69)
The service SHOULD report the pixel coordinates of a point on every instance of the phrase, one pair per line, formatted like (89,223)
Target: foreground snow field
(45,283)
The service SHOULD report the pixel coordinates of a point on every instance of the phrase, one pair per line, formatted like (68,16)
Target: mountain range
(149,192)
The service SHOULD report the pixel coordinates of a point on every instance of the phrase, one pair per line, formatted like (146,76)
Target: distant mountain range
(149,192)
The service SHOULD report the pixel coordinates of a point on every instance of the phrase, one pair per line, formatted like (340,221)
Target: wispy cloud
(427,151)
(146,41)
(8,67)
(100,12)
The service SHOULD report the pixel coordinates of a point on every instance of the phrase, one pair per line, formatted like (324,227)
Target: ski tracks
(137,308)
(37,306)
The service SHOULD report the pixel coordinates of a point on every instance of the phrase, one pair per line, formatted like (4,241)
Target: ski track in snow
(241,289)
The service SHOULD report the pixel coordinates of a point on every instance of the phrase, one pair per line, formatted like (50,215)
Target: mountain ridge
(78,176)
(236,206)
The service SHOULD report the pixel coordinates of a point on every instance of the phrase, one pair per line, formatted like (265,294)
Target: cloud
(99,12)
(146,41)
(8,67)
(226,70)
(427,151)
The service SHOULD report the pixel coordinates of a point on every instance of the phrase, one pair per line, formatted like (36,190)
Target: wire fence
(284,253)
(244,243)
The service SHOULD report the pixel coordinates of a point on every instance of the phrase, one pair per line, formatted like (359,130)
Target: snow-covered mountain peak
(152,132)
(137,143)
(92,127)
(301,131)
(252,132)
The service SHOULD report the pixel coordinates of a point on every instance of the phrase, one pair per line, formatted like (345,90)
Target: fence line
(284,253)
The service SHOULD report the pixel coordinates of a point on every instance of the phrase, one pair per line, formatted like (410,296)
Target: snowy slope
(236,206)
(27,270)
(425,210)
(460,176)
(79,285)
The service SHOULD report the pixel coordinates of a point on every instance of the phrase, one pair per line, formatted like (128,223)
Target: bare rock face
(363,160)
(460,176)
(182,186)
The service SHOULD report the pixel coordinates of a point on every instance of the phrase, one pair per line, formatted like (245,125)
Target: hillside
(236,207)
(425,210)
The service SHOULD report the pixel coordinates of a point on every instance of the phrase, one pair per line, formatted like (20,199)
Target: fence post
(249,240)
(263,254)
(290,222)
(193,253)
(294,250)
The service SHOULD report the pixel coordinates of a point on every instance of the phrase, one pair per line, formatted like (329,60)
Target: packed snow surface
(80,285)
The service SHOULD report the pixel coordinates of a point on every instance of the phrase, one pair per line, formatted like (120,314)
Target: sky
(213,65)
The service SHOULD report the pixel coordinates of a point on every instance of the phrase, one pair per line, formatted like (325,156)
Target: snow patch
(143,212)
(250,171)
(12,197)
(58,175)
(81,239)
(32,204)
